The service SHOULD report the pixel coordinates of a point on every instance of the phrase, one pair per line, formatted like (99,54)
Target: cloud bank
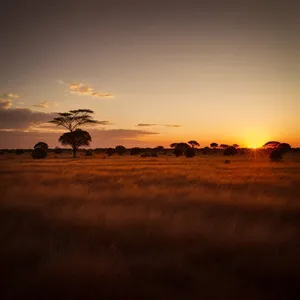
(87,90)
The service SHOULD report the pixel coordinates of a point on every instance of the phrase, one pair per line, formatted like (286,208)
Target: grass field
(149,228)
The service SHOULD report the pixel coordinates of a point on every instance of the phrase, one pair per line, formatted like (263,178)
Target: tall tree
(224,146)
(194,143)
(74,118)
(214,145)
(75,139)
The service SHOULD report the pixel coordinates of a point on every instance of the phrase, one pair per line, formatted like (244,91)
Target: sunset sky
(154,72)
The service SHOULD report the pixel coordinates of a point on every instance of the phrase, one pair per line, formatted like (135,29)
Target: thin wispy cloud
(158,125)
(87,90)
(44,104)
(11,96)
(5,104)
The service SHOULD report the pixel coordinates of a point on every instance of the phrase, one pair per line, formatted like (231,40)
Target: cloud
(21,118)
(87,90)
(145,125)
(5,104)
(100,138)
(11,96)
(162,125)
(44,104)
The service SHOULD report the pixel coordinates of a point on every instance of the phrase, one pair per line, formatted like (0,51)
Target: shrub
(41,145)
(110,151)
(276,155)
(2,152)
(154,154)
(89,152)
(39,153)
(57,150)
(227,161)
(190,152)
(206,150)
(178,152)
(230,151)
(135,151)
(121,150)
(20,151)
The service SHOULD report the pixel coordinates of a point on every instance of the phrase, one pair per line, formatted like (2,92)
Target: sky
(154,72)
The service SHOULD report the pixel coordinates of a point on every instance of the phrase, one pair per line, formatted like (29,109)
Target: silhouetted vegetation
(272,145)
(135,151)
(88,152)
(41,145)
(120,150)
(178,152)
(276,155)
(285,147)
(39,153)
(76,139)
(224,146)
(110,151)
(214,145)
(189,152)
(74,118)
(20,151)
(227,161)
(57,150)
(194,144)
(230,151)
(206,150)
(235,146)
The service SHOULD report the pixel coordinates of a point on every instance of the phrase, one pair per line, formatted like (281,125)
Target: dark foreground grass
(137,238)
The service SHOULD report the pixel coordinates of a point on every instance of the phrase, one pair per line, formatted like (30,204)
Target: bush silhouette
(214,145)
(178,152)
(89,152)
(135,151)
(57,150)
(2,152)
(76,139)
(121,150)
(230,151)
(284,147)
(276,155)
(41,144)
(190,152)
(39,153)
(20,151)
(206,150)
(110,151)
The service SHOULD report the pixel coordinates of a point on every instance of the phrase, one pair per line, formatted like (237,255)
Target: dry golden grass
(149,228)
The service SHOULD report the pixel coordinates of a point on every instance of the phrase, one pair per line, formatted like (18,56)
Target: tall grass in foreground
(149,228)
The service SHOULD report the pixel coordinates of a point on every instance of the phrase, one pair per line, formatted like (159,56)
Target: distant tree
(285,147)
(57,150)
(2,152)
(189,152)
(39,153)
(235,146)
(135,151)
(224,146)
(41,145)
(88,152)
(121,150)
(173,145)
(272,145)
(214,145)
(20,151)
(76,139)
(276,155)
(110,151)
(230,151)
(206,150)
(178,152)
(74,118)
(159,149)
(194,144)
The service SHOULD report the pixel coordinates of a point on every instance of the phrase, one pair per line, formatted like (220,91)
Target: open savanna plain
(149,228)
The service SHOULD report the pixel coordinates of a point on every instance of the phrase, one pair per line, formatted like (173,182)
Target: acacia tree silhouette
(71,121)
(74,118)
(194,143)
(76,139)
